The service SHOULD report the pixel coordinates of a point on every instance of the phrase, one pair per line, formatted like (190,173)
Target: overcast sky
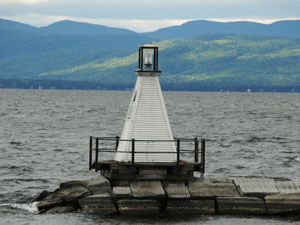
(147,15)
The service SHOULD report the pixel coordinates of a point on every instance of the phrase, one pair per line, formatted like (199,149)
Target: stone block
(72,194)
(73,183)
(99,185)
(255,187)
(241,206)
(96,185)
(147,190)
(220,180)
(177,190)
(101,204)
(288,187)
(283,203)
(41,196)
(49,203)
(122,192)
(190,207)
(208,189)
(135,207)
(63,197)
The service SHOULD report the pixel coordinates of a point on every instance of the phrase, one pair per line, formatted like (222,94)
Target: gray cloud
(151,10)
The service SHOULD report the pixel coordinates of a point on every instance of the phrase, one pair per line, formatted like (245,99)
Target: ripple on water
(246,135)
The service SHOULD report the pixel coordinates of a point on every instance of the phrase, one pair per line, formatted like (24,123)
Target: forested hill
(199,55)
(286,29)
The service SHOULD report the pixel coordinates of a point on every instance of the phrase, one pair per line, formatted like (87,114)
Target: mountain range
(198,55)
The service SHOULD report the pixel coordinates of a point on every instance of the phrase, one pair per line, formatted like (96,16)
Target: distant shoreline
(89,85)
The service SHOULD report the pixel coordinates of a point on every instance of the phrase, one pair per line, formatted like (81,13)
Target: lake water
(45,137)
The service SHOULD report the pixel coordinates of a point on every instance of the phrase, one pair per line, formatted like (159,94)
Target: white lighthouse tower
(146,149)
(147,119)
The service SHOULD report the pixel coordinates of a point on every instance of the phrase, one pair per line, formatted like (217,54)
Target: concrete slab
(177,190)
(255,187)
(283,203)
(122,192)
(208,189)
(135,207)
(241,206)
(147,189)
(99,185)
(288,187)
(101,204)
(190,207)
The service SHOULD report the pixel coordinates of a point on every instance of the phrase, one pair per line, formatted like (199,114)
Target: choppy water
(44,138)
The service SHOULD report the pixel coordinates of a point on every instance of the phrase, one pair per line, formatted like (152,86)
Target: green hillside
(220,61)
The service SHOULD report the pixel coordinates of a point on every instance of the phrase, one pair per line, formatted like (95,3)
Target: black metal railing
(110,145)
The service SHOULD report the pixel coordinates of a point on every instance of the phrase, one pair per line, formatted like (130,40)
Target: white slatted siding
(147,119)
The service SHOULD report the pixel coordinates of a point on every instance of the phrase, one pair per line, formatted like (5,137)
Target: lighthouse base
(123,173)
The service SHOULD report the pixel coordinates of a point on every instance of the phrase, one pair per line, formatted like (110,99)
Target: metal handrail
(143,140)
(133,150)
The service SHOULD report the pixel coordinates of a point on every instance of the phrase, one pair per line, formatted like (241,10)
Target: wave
(297,158)
(32,207)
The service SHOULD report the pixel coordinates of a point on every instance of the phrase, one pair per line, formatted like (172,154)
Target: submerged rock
(61,209)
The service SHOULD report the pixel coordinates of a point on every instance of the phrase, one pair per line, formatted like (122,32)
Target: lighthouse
(147,117)
(146,149)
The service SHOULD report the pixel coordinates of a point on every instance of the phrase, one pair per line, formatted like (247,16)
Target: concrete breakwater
(230,196)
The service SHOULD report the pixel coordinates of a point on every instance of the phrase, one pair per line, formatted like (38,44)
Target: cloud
(146,15)
(143,3)
(137,25)
(254,19)
(141,25)
(40,20)
(154,9)
(22,2)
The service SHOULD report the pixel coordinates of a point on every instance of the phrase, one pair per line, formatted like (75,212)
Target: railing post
(97,149)
(178,151)
(203,155)
(117,142)
(196,150)
(132,155)
(91,153)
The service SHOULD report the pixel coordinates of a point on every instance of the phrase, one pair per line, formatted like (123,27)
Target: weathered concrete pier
(146,171)
(202,196)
